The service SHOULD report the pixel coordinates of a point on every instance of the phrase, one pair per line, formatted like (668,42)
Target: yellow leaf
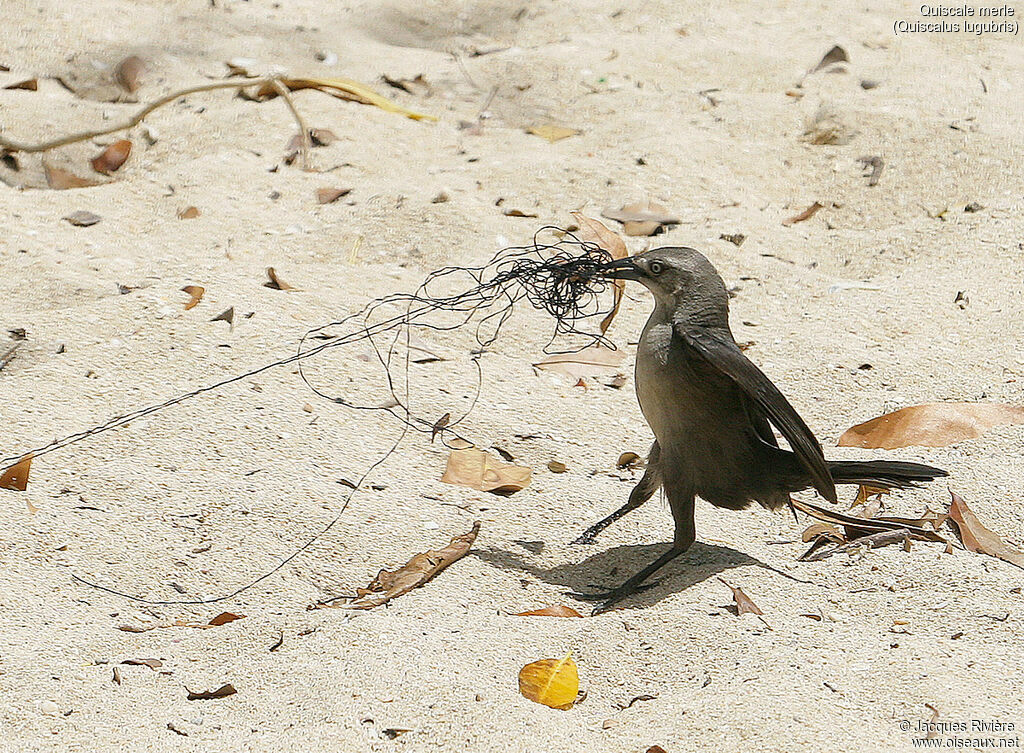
(346,89)
(552,682)
(479,470)
(552,133)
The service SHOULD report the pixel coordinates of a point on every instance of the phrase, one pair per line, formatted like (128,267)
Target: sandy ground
(200,499)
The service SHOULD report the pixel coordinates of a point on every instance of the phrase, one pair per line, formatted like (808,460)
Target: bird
(712,410)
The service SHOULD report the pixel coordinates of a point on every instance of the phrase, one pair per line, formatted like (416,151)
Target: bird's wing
(719,351)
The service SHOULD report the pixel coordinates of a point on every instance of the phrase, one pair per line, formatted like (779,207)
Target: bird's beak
(622,269)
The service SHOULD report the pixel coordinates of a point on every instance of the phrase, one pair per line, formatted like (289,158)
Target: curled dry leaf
(111,158)
(744,604)
(931,425)
(553,611)
(480,470)
(153,664)
(275,282)
(128,73)
(418,570)
(551,132)
(439,425)
(629,460)
(188,213)
(836,55)
(16,477)
(977,537)
(595,360)
(804,215)
(596,232)
(205,695)
(227,315)
(60,180)
(552,682)
(196,292)
(82,218)
(31,85)
(557,466)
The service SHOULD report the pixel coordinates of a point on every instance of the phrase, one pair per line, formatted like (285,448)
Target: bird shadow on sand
(608,568)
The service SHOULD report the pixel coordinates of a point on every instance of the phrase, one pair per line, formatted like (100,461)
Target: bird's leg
(643,491)
(685,534)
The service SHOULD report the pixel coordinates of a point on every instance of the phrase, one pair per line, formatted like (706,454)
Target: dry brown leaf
(128,73)
(153,664)
(556,466)
(642,211)
(552,682)
(227,315)
(206,695)
(804,215)
(342,88)
(16,477)
(595,360)
(330,195)
(827,530)
(418,570)
(656,749)
(111,158)
(188,213)
(196,292)
(275,282)
(480,470)
(744,604)
(82,218)
(60,180)
(645,228)
(977,537)
(629,460)
(439,425)
(931,425)
(518,213)
(224,618)
(552,611)
(31,85)
(596,232)
(856,527)
(551,132)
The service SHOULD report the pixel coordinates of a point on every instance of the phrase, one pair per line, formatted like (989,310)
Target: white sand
(629,79)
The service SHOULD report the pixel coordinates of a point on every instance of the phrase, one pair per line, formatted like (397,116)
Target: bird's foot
(610,598)
(587,537)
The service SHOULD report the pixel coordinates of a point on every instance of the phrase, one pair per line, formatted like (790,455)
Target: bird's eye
(656,267)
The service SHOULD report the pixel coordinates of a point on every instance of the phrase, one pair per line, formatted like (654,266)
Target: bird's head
(682,280)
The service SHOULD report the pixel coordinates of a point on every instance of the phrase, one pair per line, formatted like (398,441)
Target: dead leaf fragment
(480,470)
(188,213)
(82,218)
(595,360)
(931,425)
(153,664)
(744,604)
(196,292)
(228,315)
(836,55)
(128,73)
(16,477)
(439,425)
(643,211)
(656,749)
(330,195)
(420,569)
(552,611)
(60,180)
(518,213)
(111,158)
(629,460)
(556,466)
(31,85)
(342,88)
(552,682)
(645,228)
(275,282)
(804,215)
(596,232)
(551,132)
(224,618)
(977,537)
(205,695)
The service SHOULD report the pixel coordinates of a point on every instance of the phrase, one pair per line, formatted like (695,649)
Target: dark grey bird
(712,411)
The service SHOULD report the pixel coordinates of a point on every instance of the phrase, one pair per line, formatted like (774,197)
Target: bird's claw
(584,538)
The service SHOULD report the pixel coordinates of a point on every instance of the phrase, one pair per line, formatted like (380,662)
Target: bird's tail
(884,474)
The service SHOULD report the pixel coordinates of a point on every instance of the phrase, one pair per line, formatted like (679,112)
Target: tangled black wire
(562,278)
